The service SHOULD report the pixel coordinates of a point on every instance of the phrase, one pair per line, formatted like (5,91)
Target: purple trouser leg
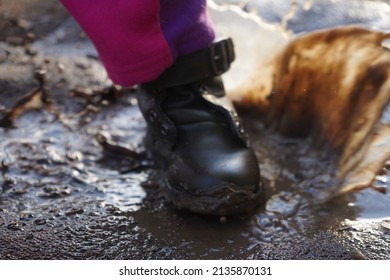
(138,39)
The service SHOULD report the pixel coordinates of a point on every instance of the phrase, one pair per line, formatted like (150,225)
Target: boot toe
(216,180)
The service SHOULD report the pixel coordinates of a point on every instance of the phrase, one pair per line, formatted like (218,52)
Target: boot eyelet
(203,89)
(152,116)
(239,127)
(164,130)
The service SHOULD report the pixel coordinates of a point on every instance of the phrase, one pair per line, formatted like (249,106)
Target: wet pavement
(76,182)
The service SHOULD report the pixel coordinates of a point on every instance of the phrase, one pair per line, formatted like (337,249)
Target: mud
(76,182)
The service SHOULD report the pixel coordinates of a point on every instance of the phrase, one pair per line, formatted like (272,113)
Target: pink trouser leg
(138,39)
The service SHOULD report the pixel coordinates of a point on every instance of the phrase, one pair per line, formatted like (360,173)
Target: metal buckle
(221,54)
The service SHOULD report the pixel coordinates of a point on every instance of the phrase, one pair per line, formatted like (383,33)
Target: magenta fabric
(138,39)
(186,25)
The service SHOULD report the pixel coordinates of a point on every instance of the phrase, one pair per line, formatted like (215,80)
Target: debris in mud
(54,192)
(34,100)
(15,41)
(114,148)
(4,54)
(135,160)
(223,220)
(7,185)
(15,226)
(24,24)
(26,16)
(99,96)
(74,211)
(386,225)
(40,222)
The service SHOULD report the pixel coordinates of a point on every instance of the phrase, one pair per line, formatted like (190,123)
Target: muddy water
(64,196)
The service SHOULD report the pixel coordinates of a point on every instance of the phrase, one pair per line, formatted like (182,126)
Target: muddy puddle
(76,182)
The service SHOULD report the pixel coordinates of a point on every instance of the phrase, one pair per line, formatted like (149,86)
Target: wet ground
(76,183)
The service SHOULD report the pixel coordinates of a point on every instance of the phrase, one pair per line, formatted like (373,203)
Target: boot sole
(226,201)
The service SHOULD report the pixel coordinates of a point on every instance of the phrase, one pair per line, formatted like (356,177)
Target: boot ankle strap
(197,66)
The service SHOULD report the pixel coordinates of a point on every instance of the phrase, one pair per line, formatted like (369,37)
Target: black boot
(196,136)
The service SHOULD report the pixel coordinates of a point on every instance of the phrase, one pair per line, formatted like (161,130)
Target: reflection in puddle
(124,193)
